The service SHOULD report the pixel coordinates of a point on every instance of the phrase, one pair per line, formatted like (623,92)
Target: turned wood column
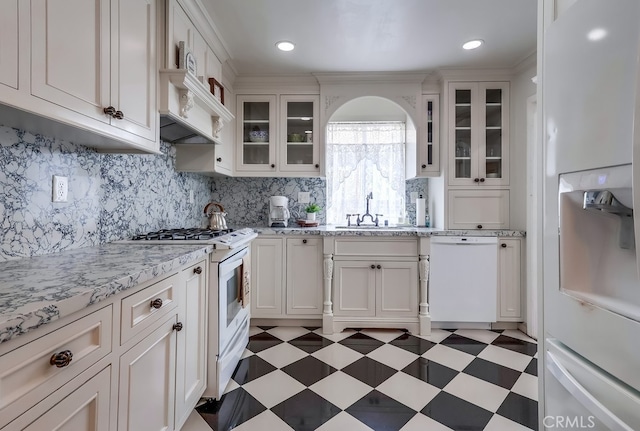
(327,309)
(423,313)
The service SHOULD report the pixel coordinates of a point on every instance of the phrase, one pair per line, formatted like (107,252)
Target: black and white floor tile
(296,378)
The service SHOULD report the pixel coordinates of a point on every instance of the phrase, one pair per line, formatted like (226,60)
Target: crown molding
(350,78)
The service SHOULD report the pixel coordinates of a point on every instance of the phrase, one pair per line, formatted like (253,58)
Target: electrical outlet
(59,189)
(191,197)
(414,196)
(304,197)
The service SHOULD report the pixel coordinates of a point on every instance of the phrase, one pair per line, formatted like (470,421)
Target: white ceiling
(373,35)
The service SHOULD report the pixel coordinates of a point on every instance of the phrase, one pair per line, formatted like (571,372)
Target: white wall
(521,89)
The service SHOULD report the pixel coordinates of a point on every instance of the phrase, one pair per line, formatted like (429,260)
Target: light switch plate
(60,189)
(414,196)
(304,197)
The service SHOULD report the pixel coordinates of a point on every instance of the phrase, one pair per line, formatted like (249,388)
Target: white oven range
(229,284)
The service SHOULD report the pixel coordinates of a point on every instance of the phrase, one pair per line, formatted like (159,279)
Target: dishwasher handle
(464,240)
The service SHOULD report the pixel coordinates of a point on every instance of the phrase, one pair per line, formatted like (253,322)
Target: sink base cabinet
(372,284)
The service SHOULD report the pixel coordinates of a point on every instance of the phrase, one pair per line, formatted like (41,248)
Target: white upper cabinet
(256,150)
(479,133)
(83,71)
(278,140)
(298,140)
(428,148)
(69,70)
(134,67)
(9,44)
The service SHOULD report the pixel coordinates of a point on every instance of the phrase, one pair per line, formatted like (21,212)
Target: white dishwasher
(463,279)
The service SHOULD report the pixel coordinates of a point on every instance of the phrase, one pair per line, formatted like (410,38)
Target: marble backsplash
(111,196)
(246,200)
(114,196)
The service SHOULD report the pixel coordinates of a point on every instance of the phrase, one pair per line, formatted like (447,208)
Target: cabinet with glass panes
(298,142)
(478,133)
(256,150)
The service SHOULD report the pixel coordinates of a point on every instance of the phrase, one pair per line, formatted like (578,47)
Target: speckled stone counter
(384,231)
(41,289)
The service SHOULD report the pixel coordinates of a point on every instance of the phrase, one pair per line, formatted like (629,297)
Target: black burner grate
(189,234)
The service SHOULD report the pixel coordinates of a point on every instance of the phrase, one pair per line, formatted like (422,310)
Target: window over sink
(365,157)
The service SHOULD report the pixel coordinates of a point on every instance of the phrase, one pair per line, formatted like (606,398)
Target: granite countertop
(384,231)
(41,289)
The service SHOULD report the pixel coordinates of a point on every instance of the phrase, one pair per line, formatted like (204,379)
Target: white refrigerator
(590,350)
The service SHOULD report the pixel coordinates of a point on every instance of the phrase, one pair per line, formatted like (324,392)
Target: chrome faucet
(361,220)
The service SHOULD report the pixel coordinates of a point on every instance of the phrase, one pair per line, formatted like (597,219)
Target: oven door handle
(232,262)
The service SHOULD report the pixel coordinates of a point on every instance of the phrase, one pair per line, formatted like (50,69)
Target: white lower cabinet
(147,382)
(355,288)
(304,276)
(397,289)
(509,279)
(84,408)
(191,360)
(371,282)
(286,277)
(78,374)
(267,258)
(380,288)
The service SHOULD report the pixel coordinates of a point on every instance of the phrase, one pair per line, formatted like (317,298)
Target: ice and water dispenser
(598,262)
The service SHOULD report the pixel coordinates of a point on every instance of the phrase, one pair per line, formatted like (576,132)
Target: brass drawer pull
(156,303)
(61,359)
(109,110)
(178,326)
(197,270)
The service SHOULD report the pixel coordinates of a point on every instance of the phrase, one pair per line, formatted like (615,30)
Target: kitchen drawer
(375,248)
(147,306)
(78,406)
(26,373)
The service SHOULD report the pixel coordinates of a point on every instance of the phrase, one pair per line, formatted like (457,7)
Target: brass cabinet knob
(482,180)
(479,226)
(178,326)
(109,110)
(304,241)
(503,245)
(197,270)
(424,166)
(373,266)
(378,266)
(317,166)
(219,160)
(61,359)
(119,115)
(156,303)
(476,180)
(273,165)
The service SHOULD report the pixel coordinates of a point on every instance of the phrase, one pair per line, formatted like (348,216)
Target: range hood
(189,113)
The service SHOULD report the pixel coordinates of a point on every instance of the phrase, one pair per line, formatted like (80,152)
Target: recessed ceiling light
(597,34)
(285,45)
(473,44)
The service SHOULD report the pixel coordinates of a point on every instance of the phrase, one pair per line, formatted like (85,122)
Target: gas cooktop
(220,239)
(181,234)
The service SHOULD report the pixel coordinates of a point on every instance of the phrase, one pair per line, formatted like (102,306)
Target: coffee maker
(279,211)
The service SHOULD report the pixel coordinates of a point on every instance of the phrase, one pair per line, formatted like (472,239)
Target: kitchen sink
(370,227)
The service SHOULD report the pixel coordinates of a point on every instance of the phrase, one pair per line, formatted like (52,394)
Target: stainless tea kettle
(216,218)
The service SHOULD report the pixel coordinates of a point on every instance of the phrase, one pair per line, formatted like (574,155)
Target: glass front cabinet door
(429,150)
(256,133)
(298,141)
(479,133)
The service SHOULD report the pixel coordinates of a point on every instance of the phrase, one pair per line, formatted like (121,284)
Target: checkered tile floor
(295,378)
